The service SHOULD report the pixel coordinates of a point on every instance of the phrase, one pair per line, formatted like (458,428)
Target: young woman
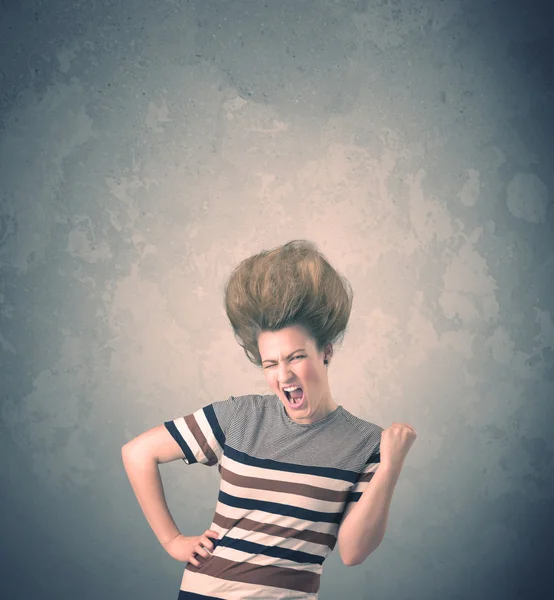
(299,473)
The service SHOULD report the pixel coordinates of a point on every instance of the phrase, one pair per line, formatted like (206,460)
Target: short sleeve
(364,477)
(369,469)
(201,434)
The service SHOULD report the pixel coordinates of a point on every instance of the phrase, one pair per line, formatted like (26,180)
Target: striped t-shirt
(283,492)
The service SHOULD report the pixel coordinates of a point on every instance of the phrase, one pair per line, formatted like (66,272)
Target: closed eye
(298,356)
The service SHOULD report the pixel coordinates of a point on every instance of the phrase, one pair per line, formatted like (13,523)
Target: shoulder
(256,407)
(362,425)
(368,431)
(248,402)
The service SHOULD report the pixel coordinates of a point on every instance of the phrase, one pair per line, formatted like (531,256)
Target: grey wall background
(148,147)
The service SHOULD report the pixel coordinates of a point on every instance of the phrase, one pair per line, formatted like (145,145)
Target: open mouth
(294,402)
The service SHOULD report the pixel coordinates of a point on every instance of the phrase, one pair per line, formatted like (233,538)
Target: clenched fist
(396,441)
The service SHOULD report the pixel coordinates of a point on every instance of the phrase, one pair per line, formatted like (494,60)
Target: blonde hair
(288,285)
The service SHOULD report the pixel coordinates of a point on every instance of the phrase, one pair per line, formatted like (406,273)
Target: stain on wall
(147,148)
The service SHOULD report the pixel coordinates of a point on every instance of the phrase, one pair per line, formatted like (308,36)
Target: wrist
(168,541)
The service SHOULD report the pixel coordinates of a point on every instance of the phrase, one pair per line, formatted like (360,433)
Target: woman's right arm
(141,457)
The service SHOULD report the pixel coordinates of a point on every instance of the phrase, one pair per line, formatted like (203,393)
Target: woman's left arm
(364,524)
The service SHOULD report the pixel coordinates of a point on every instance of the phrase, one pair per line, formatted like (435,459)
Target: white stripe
(258,537)
(186,434)
(327,483)
(208,432)
(295,500)
(361,486)
(189,438)
(260,516)
(236,590)
(265,561)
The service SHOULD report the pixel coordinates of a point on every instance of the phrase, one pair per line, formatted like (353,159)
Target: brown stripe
(300,489)
(243,572)
(366,477)
(199,436)
(315,537)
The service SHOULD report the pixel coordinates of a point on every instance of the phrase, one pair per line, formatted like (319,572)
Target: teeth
(290,389)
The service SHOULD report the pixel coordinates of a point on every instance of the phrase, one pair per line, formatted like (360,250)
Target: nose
(284,374)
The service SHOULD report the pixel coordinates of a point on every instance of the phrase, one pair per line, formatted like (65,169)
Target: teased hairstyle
(289,285)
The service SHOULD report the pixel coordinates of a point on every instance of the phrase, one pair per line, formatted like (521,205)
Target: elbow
(130,447)
(347,564)
(348,561)
(128,450)
(134,452)
(355,563)
(124,453)
(125,449)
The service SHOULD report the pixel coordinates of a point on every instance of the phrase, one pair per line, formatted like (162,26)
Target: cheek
(308,374)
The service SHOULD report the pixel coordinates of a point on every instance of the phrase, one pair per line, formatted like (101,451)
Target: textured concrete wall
(148,147)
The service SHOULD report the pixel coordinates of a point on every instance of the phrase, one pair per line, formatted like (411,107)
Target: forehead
(271,343)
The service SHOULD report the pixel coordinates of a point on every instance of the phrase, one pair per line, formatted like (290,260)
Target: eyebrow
(273,360)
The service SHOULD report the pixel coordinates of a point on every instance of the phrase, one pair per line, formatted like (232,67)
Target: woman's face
(289,357)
